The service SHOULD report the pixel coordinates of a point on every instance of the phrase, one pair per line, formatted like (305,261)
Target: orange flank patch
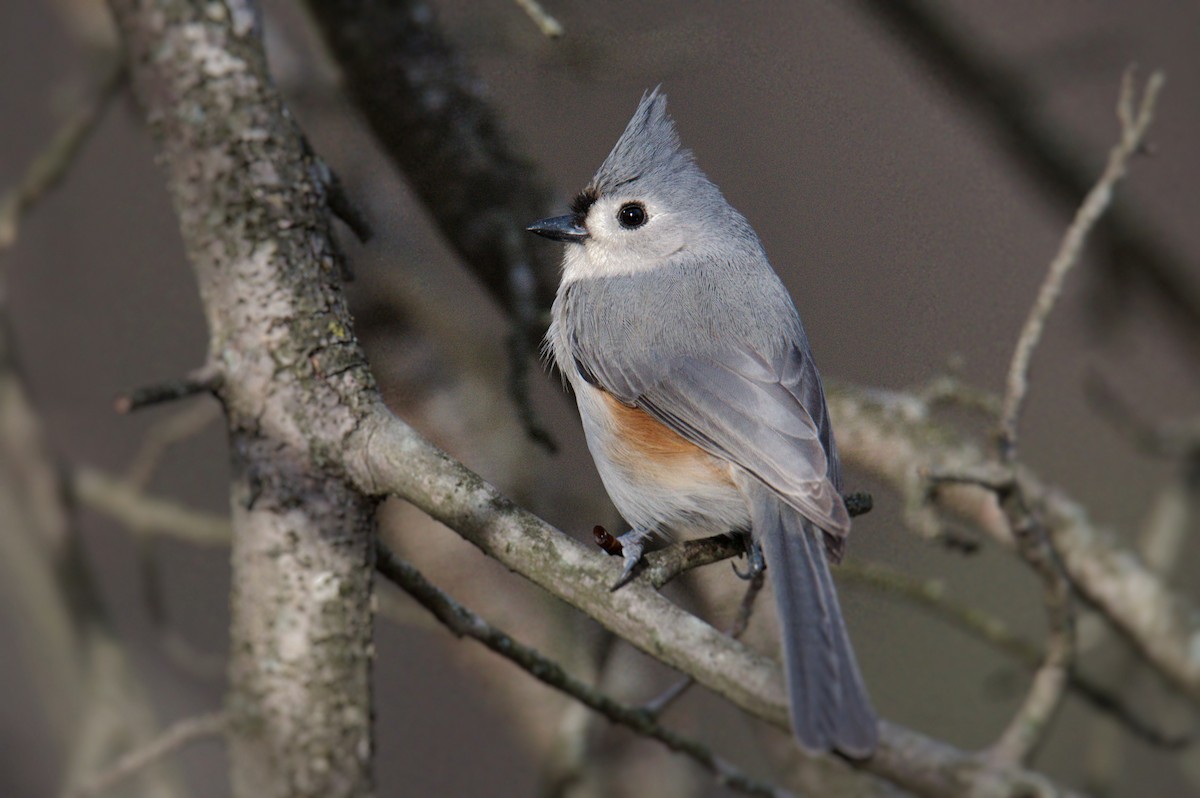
(650,444)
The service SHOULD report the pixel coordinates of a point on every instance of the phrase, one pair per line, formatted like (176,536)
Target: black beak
(561,228)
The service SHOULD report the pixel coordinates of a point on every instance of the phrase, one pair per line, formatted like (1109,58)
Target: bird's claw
(631,547)
(756,563)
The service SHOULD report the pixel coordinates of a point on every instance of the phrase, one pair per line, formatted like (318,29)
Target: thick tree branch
(254,219)
(388,457)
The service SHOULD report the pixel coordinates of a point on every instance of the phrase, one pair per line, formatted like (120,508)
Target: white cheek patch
(593,259)
(611,252)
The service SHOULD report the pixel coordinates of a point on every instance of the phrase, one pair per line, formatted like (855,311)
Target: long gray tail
(829,704)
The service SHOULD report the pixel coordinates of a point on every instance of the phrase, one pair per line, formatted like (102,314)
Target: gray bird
(700,400)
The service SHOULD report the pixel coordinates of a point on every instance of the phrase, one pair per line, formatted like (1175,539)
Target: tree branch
(172,739)
(1005,100)
(891,436)
(254,218)
(1134,126)
(388,457)
(462,622)
(430,115)
(49,167)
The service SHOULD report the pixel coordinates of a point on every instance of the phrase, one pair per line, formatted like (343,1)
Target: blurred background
(898,209)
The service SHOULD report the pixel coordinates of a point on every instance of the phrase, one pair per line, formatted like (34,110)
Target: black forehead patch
(584,201)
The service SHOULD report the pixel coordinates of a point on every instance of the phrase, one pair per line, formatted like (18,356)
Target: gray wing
(766,416)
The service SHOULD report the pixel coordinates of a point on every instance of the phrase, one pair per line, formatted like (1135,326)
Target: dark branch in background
(464,623)
(1137,255)
(50,166)
(429,114)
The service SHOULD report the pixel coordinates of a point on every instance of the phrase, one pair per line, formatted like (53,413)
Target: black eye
(631,215)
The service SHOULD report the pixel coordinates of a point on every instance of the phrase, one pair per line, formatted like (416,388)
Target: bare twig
(201,380)
(1138,254)
(663,566)
(1028,725)
(172,739)
(164,434)
(145,514)
(48,168)
(1030,722)
(660,567)
(1134,125)
(548,25)
(657,705)
(462,622)
(892,437)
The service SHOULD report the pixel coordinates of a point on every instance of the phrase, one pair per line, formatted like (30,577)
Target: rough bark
(252,213)
(311,444)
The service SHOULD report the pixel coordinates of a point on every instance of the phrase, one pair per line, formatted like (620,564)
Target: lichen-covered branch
(253,215)
(388,457)
(893,436)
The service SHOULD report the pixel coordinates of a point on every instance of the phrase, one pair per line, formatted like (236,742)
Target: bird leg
(632,543)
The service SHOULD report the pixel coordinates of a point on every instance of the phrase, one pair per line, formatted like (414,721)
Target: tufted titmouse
(700,400)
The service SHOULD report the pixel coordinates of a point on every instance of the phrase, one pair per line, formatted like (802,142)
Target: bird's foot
(757,564)
(632,543)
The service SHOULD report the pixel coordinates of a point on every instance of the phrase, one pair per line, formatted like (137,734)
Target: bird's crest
(649,146)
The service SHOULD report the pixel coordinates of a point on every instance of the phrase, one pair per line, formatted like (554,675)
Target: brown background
(903,229)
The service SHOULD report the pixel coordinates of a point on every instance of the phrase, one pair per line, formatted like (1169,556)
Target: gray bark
(252,213)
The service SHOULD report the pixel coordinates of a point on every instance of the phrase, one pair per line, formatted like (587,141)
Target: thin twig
(49,167)
(1137,253)
(163,435)
(1133,132)
(548,25)
(145,514)
(660,567)
(465,623)
(172,739)
(201,380)
(930,595)
(657,705)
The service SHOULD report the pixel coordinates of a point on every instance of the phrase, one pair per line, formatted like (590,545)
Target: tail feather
(828,701)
